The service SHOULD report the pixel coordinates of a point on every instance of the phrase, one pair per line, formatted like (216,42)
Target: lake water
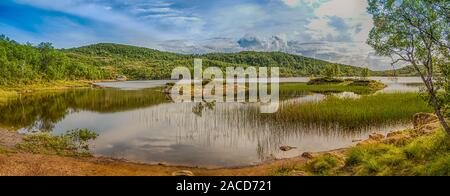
(141,125)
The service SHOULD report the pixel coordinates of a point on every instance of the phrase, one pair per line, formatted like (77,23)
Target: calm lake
(137,122)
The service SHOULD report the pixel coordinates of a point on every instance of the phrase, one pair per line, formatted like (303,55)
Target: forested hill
(25,63)
(144,63)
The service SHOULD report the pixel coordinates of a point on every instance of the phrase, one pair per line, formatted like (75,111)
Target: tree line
(26,63)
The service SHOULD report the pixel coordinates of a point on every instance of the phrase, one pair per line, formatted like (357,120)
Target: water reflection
(142,125)
(40,111)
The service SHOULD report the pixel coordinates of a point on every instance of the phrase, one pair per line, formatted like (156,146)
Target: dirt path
(24,164)
(9,139)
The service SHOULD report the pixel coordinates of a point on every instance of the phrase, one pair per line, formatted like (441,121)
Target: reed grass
(353,112)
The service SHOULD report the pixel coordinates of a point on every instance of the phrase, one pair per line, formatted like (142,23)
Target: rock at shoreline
(121,78)
(397,138)
(286,148)
(307,155)
(422,119)
(376,136)
(183,173)
(373,138)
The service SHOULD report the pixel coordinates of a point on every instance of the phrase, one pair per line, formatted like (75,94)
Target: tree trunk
(437,111)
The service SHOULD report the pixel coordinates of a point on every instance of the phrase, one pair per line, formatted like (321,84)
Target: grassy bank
(46,85)
(354,113)
(415,155)
(12,91)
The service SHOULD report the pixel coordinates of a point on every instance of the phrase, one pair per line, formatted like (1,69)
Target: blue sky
(194,26)
(69,23)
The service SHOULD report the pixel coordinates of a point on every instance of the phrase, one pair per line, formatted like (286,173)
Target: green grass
(421,156)
(353,113)
(73,143)
(428,155)
(324,165)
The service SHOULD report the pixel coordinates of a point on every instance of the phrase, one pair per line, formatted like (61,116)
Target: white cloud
(319,29)
(343,8)
(352,13)
(291,3)
(131,29)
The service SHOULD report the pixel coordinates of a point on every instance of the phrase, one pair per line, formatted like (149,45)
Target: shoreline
(14,162)
(42,164)
(49,165)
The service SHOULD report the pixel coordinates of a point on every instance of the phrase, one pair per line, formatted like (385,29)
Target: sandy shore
(26,164)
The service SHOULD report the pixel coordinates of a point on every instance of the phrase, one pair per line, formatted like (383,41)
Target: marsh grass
(352,113)
(73,143)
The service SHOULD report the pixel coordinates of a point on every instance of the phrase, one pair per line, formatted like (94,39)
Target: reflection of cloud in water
(230,134)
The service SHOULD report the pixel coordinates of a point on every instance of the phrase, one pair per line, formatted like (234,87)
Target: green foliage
(443,82)
(365,73)
(144,63)
(415,32)
(409,26)
(331,71)
(74,143)
(24,64)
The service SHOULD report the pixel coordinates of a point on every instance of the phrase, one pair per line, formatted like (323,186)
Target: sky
(334,30)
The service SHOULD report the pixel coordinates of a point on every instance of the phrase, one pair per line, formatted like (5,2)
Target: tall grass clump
(354,112)
(424,155)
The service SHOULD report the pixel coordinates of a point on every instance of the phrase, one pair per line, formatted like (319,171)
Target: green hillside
(144,63)
(25,63)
